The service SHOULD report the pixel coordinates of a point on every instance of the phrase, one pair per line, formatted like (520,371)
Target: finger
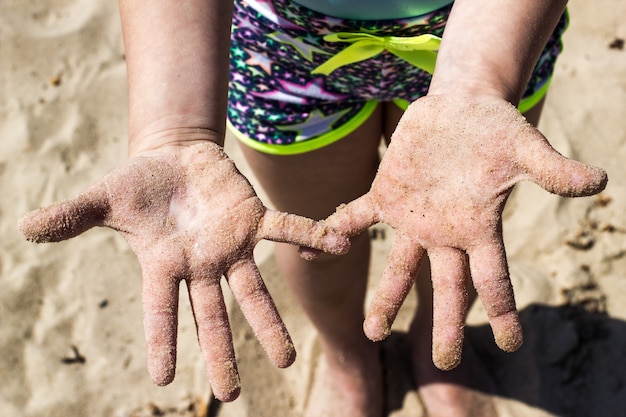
(160,310)
(214,335)
(259,309)
(490,275)
(556,173)
(66,219)
(349,219)
(302,231)
(403,262)
(354,217)
(450,279)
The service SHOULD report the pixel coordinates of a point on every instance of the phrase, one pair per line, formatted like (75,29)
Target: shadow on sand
(572,363)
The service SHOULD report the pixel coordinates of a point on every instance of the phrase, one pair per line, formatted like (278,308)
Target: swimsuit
(300,80)
(373,9)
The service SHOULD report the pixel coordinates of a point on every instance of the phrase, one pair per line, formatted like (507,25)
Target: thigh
(391,116)
(534,113)
(313,184)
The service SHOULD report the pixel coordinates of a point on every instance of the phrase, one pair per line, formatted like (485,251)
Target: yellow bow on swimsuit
(420,51)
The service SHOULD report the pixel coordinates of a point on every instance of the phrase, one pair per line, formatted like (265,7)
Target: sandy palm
(442,186)
(190,215)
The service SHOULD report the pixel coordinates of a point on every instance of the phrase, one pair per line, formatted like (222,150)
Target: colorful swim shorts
(300,80)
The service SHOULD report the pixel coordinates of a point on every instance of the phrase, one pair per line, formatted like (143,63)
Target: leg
(533,115)
(331,289)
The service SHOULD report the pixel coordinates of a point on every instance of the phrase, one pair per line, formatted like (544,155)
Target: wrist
(173,131)
(458,81)
(474,95)
(492,49)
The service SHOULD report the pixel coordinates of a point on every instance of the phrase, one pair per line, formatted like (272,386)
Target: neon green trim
(401,103)
(532,100)
(309,144)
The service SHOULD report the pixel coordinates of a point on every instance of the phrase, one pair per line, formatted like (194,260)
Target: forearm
(491,46)
(177,61)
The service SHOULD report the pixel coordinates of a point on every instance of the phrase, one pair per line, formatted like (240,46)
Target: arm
(451,165)
(491,47)
(180,202)
(177,60)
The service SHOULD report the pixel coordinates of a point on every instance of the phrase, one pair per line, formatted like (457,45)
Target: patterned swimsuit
(285,97)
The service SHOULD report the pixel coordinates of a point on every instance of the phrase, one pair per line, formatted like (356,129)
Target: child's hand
(442,186)
(190,215)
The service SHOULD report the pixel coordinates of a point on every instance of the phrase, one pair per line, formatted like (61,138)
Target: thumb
(556,173)
(349,219)
(66,219)
(291,228)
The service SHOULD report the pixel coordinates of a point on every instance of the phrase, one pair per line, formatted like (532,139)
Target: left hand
(442,186)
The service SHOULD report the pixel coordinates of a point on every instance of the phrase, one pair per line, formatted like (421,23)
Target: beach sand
(71,334)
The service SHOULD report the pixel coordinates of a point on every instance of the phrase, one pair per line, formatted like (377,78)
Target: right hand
(190,215)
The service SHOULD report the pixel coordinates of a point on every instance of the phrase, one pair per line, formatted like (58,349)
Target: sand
(71,337)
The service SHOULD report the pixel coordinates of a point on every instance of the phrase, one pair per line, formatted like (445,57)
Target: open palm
(190,215)
(442,186)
